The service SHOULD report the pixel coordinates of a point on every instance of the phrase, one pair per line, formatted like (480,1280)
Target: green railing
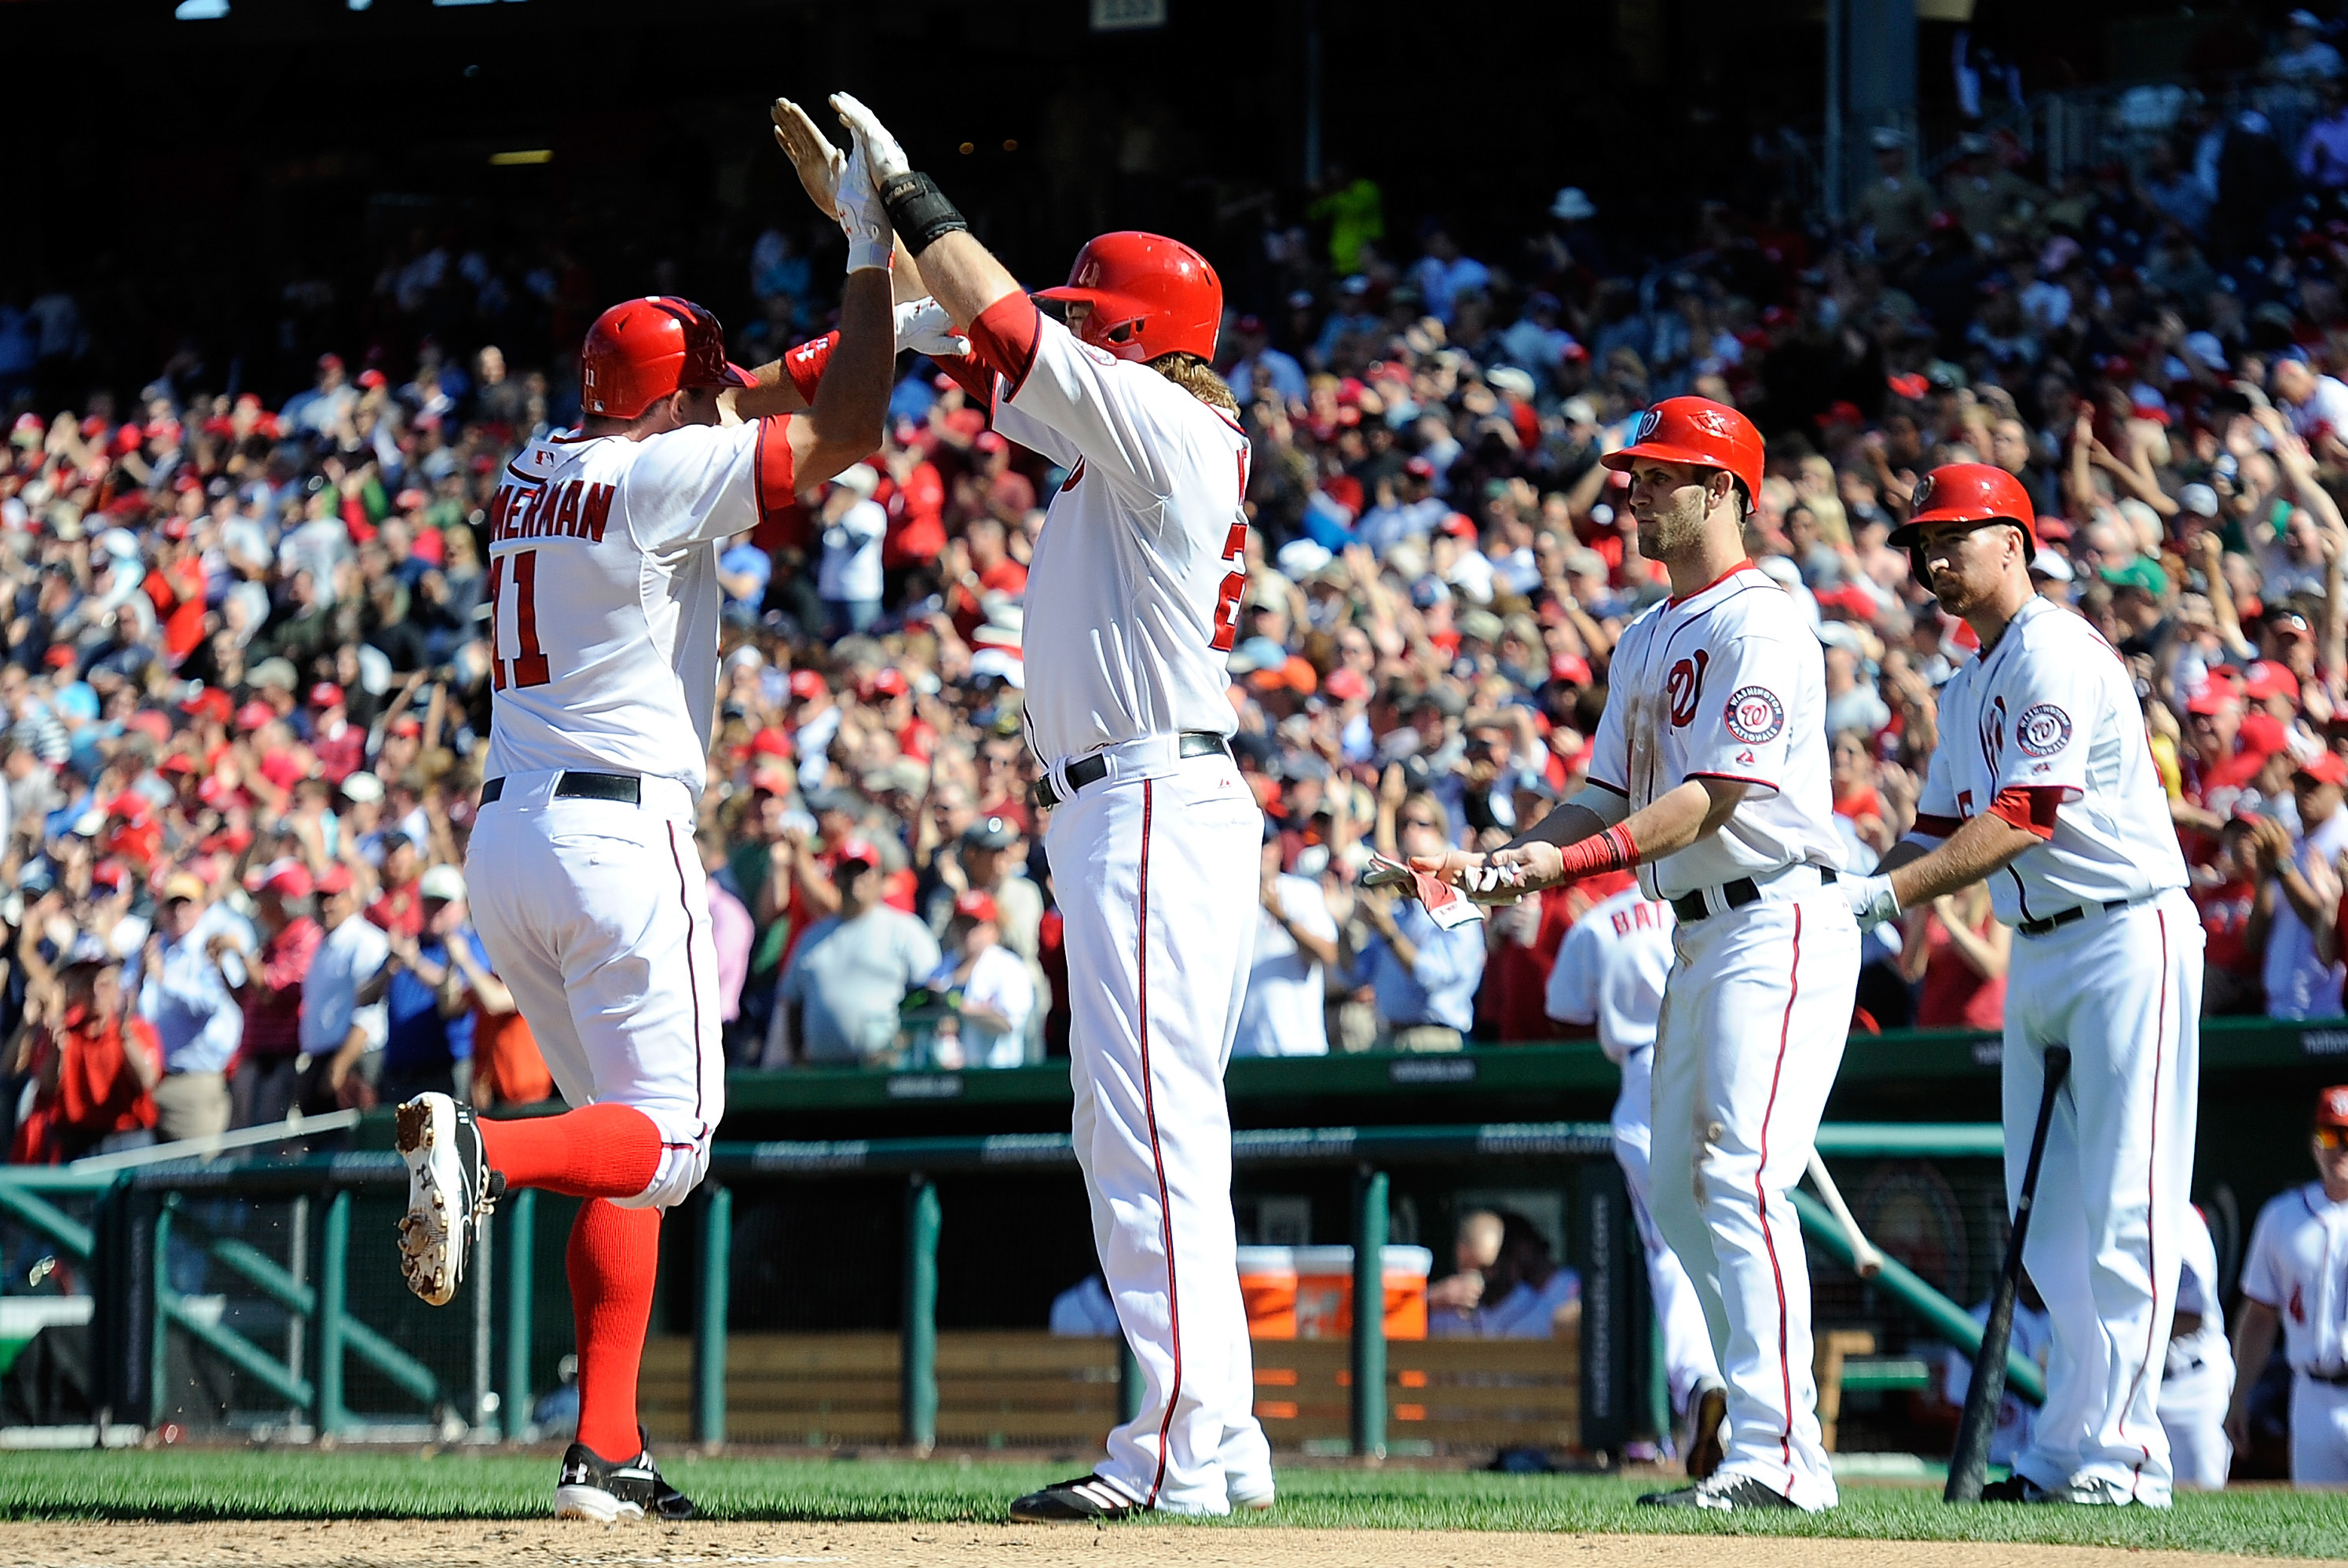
(1608,1248)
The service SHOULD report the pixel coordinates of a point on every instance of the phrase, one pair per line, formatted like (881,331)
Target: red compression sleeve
(804,365)
(972,377)
(595,1151)
(1003,338)
(1611,851)
(2029,807)
(612,1260)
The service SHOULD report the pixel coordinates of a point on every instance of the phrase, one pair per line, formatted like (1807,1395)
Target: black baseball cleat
(1707,1419)
(450,1189)
(592,1486)
(1072,1502)
(1731,1494)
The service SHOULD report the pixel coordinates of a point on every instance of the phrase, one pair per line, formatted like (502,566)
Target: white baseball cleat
(451,1188)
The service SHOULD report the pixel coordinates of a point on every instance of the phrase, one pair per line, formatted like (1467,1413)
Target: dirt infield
(413,1545)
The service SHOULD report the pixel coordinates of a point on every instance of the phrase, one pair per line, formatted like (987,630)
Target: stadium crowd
(246,685)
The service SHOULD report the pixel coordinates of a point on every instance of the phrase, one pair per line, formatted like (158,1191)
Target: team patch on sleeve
(2045,729)
(1755,715)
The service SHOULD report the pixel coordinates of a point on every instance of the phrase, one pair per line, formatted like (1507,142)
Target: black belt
(2335,1379)
(1691,906)
(2057,922)
(1092,770)
(625,787)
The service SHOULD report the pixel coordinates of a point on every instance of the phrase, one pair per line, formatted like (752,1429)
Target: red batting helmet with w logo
(1696,430)
(641,350)
(1148,295)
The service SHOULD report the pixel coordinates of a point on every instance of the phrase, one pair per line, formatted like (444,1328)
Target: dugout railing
(137,1218)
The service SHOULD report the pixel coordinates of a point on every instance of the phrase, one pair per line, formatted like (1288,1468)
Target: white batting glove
(863,218)
(882,155)
(925,327)
(1872,901)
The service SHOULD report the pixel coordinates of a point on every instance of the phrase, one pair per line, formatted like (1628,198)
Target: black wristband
(918,211)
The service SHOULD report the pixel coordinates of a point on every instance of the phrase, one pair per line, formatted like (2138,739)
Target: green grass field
(198,1484)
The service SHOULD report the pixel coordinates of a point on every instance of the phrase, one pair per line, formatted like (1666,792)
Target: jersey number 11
(527,667)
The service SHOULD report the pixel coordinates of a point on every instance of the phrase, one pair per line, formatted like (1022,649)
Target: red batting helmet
(1966,492)
(1149,295)
(641,350)
(1696,430)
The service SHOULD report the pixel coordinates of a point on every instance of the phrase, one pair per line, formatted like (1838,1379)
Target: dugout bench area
(852,1291)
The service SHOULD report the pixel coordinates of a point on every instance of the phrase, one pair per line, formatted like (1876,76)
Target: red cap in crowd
(2325,768)
(1347,684)
(859,849)
(2332,1106)
(770,742)
(253,714)
(805,684)
(976,905)
(290,880)
(325,693)
(335,878)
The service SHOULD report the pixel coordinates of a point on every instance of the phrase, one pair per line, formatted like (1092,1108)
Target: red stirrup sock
(613,1256)
(595,1151)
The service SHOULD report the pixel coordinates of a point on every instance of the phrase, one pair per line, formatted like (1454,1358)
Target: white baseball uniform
(2297,1265)
(1131,598)
(604,595)
(2044,723)
(2197,1382)
(1609,971)
(1728,683)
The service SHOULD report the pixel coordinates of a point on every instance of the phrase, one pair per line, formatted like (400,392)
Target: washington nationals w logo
(1683,688)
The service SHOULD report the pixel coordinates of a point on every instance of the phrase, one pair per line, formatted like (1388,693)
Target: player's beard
(1673,531)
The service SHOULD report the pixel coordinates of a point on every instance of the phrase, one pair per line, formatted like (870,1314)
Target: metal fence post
(482,1262)
(918,1355)
(520,1211)
(1370,1314)
(709,1329)
(159,1341)
(334,1279)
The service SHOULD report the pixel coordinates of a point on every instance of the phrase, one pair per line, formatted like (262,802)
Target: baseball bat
(1969,1465)
(1865,1260)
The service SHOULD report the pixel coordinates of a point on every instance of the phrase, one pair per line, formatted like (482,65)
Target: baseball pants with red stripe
(2123,989)
(1155,877)
(596,916)
(1755,1014)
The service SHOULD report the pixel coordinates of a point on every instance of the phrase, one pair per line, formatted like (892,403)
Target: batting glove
(925,327)
(1872,901)
(882,153)
(863,217)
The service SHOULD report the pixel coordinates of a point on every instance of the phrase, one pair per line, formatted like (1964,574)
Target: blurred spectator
(1423,977)
(1296,944)
(841,993)
(1519,1292)
(1895,204)
(429,987)
(1957,952)
(341,1039)
(986,987)
(94,1064)
(266,1077)
(2300,891)
(186,997)
(731,930)
(853,527)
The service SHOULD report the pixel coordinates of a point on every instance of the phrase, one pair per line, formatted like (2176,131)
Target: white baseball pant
(1687,1343)
(1154,875)
(596,915)
(2193,1414)
(1754,1016)
(2123,990)
(2318,1432)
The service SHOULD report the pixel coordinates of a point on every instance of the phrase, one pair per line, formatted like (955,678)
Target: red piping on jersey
(1149,1112)
(1761,1197)
(2029,807)
(2151,1209)
(1003,338)
(777,469)
(1609,788)
(684,897)
(1744,565)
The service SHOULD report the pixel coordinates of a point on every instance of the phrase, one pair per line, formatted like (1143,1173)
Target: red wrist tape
(804,365)
(1611,851)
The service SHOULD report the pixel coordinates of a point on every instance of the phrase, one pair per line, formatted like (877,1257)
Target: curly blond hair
(1196,377)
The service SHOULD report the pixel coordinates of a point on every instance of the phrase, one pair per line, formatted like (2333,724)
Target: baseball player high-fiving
(586,886)
(1132,596)
(1711,777)
(2043,783)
